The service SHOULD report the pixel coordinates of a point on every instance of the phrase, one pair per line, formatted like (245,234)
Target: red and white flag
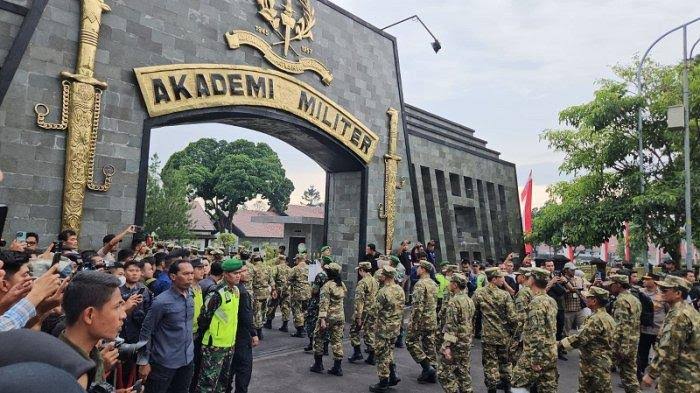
(526,201)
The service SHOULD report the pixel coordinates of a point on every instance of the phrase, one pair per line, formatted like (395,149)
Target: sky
(506,69)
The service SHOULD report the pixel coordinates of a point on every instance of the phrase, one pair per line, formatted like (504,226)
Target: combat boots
(299,333)
(284,328)
(268,324)
(381,387)
(370,357)
(393,377)
(337,369)
(318,365)
(428,375)
(357,354)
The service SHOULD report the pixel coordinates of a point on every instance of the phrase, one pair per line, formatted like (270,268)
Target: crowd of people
(166,318)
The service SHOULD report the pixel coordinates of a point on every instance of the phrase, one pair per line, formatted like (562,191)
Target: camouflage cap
(443,263)
(326,260)
(426,265)
(523,271)
(451,268)
(324,248)
(598,292)
(459,279)
(619,278)
(671,281)
(388,271)
(538,273)
(333,267)
(232,265)
(364,266)
(493,272)
(570,266)
(300,256)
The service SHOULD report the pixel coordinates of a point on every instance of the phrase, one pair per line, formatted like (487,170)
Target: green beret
(324,248)
(326,260)
(394,260)
(232,265)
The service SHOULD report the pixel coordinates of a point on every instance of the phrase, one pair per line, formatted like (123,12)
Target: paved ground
(282,366)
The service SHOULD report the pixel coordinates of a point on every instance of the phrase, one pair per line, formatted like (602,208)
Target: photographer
(94,311)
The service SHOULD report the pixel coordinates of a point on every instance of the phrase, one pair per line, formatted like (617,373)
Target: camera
(128,351)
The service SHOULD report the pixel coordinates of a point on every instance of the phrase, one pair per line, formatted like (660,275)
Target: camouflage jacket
(390,303)
(299,282)
(498,318)
(249,284)
(626,311)
(540,333)
(280,276)
(677,358)
(458,328)
(595,341)
(365,296)
(262,281)
(319,282)
(424,305)
(522,302)
(330,305)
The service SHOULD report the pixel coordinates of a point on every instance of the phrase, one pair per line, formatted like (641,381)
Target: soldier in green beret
(331,321)
(363,318)
(219,323)
(595,342)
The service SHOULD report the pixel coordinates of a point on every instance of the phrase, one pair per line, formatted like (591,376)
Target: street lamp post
(686,142)
(436,44)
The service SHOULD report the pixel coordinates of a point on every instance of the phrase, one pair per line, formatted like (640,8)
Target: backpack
(647,316)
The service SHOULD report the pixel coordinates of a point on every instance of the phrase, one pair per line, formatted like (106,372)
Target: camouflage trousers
(421,345)
(627,364)
(454,374)
(334,332)
(592,378)
(298,309)
(283,303)
(366,330)
(496,362)
(524,376)
(259,312)
(216,363)
(384,354)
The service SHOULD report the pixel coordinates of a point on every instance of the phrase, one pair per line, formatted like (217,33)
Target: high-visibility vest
(442,285)
(224,322)
(198,303)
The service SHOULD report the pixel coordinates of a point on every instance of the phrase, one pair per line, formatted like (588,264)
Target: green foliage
(166,203)
(247,245)
(601,152)
(226,240)
(311,196)
(227,174)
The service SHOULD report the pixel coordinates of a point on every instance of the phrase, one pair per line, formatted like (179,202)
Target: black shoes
(284,327)
(357,355)
(318,365)
(381,387)
(299,333)
(337,369)
(370,358)
(428,375)
(393,377)
(268,324)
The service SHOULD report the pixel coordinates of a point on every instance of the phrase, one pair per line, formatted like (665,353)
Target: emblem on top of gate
(288,25)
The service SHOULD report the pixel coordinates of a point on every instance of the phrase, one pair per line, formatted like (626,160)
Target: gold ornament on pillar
(387,210)
(80,117)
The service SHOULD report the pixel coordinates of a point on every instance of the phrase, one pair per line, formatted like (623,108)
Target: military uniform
(537,364)
(420,336)
(457,335)
(279,275)
(219,320)
(312,309)
(262,284)
(389,307)
(331,310)
(499,325)
(365,296)
(677,361)
(595,342)
(299,293)
(522,301)
(626,311)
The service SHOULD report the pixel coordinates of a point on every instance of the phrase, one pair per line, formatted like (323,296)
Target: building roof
(245,225)
(199,219)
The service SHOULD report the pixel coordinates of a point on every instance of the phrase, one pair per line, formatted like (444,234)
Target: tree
(226,240)
(166,203)
(227,174)
(600,148)
(311,196)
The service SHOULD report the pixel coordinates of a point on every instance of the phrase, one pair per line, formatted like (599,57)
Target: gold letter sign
(177,88)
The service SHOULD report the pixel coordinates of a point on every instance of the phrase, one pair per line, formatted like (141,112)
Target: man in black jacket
(246,339)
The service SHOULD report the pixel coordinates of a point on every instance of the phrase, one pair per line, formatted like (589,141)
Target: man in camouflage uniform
(595,342)
(389,308)
(312,309)
(363,318)
(457,335)
(522,301)
(331,320)
(536,367)
(677,361)
(262,287)
(280,295)
(420,337)
(626,311)
(447,271)
(499,325)
(219,322)
(299,292)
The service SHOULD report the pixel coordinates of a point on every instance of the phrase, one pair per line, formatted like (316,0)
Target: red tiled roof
(305,211)
(199,219)
(245,227)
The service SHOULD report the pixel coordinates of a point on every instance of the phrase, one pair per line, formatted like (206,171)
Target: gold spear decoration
(80,117)
(387,210)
